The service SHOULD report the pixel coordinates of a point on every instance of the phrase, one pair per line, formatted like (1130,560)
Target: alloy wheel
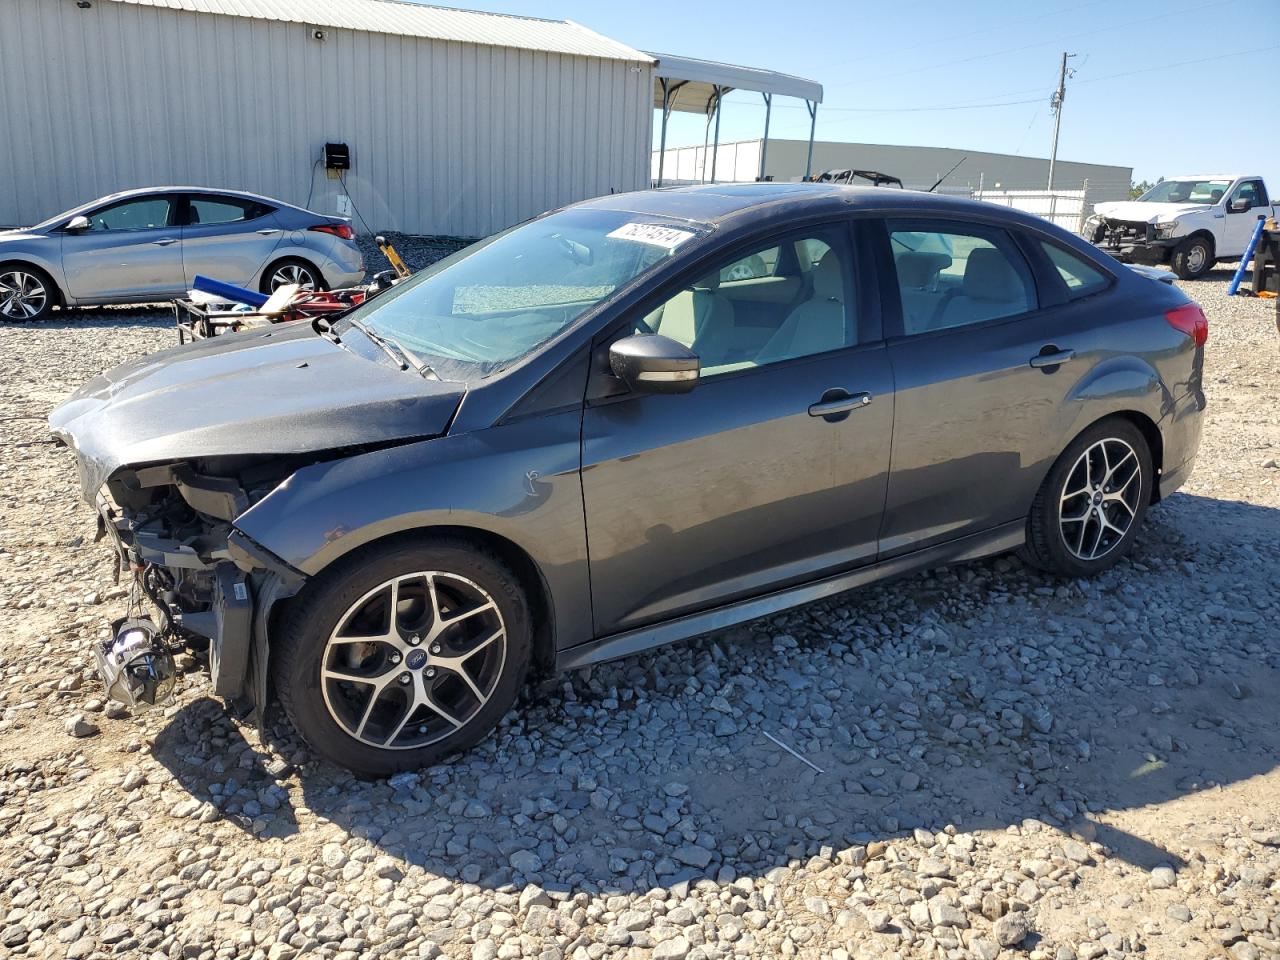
(413,660)
(292,273)
(22,295)
(1099,501)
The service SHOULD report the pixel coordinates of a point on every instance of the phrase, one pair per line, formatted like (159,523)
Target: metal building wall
(446,137)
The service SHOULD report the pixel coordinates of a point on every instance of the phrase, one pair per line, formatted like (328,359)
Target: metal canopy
(697,80)
(689,85)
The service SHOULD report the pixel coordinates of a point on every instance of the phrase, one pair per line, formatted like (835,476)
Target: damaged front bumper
(206,581)
(1130,241)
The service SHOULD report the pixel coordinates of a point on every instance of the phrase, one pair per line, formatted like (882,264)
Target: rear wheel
(1089,508)
(26,293)
(404,655)
(1193,258)
(291,270)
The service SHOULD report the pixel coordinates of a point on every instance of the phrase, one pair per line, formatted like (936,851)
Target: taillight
(1190,319)
(342,230)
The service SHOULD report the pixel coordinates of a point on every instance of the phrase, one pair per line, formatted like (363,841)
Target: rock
(677,948)
(1011,929)
(984,949)
(692,856)
(78,726)
(1162,878)
(943,913)
(333,856)
(1179,912)
(526,862)
(933,867)
(878,920)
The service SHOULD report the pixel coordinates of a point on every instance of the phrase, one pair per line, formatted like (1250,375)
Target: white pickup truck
(1189,223)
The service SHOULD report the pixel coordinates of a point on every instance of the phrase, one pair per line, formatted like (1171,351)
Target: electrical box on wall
(337,156)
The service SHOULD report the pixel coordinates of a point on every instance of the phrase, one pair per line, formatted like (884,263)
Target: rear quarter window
(1081,277)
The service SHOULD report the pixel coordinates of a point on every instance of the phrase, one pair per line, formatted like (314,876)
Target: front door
(1238,226)
(132,250)
(227,238)
(771,471)
(977,424)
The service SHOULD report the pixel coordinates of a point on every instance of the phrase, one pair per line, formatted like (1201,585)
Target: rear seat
(992,288)
(922,301)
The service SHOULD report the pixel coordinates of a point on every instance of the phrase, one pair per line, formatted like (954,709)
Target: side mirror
(1241,205)
(76,224)
(651,363)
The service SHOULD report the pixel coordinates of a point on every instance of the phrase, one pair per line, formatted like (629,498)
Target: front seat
(816,325)
(991,288)
(702,319)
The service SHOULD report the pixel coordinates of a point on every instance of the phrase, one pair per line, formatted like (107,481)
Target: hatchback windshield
(490,304)
(1187,191)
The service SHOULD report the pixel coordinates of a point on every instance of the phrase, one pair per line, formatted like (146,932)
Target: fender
(1121,384)
(520,481)
(14,251)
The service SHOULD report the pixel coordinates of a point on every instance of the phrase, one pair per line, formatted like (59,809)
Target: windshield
(1207,192)
(492,303)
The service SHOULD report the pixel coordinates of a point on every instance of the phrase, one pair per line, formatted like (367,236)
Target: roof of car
(715,202)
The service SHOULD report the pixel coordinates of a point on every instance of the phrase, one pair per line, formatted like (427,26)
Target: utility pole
(1055,103)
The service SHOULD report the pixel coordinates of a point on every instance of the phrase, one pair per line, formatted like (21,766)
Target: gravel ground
(996,764)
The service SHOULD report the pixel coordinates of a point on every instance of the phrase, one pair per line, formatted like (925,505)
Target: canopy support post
(813,123)
(666,115)
(764,144)
(715,149)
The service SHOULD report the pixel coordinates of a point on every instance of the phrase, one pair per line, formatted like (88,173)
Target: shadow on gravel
(985,696)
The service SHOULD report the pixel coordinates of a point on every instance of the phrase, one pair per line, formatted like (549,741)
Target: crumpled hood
(1140,212)
(285,390)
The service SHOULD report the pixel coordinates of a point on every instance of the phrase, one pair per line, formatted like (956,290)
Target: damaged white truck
(1187,223)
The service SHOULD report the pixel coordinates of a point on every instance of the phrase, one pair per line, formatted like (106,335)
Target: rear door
(771,471)
(227,238)
(131,251)
(980,408)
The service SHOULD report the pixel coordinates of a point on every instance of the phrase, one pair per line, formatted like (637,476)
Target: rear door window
(955,275)
(212,210)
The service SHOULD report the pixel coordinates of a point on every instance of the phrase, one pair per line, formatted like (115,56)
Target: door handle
(1054,359)
(268,232)
(164,242)
(825,408)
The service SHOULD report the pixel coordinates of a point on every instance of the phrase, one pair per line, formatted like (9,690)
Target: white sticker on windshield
(651,233)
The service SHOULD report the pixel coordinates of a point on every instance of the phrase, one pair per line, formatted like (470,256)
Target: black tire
(1193,258)
(292,263)
(327,600)
(1050,522)
(10,312)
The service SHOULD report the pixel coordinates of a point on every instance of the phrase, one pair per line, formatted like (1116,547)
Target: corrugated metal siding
(419,20)
(445,137)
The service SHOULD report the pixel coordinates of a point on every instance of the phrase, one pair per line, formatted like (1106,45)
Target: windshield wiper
(404,358)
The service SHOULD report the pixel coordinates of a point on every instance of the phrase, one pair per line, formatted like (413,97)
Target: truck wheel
(1193,258)
(403,654)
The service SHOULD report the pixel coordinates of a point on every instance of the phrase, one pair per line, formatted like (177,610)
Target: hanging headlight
(136,666)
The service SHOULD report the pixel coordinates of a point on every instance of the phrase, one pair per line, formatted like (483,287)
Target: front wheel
(1087,513)
(1192,258)
(403,654)
(26,293)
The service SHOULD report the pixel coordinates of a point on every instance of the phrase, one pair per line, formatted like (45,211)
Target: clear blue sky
(880,62)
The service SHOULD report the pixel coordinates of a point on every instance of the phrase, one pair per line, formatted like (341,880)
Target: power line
(1040,43)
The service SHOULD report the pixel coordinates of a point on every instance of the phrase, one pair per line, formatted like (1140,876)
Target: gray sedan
(141,246)
(634,420)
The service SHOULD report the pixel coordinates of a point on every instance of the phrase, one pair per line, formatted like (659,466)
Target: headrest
(988,276)
(919,270)
(709,282)
(828,283)
(1215,195)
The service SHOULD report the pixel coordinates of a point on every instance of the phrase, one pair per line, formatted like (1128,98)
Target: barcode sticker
(654,234)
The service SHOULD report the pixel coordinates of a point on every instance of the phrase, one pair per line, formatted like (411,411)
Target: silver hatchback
(141,246)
